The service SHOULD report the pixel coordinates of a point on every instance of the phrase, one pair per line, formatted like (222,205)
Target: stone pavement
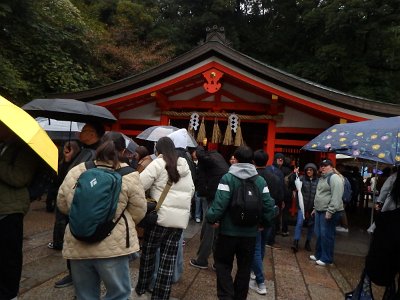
(289,276)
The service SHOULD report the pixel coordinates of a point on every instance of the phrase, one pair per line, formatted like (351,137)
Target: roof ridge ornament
(216,34)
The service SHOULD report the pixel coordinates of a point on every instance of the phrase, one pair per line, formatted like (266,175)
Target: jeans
(114,272)
(11,234)
(325,231)
(199,200)
(299,226)
(227,247)
(178,270)
(259,253)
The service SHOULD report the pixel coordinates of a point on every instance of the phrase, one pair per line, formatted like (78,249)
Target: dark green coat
(18,164)
(218,212)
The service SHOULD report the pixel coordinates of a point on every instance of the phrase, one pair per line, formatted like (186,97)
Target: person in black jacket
(281,164)
(309,188)
(211,167)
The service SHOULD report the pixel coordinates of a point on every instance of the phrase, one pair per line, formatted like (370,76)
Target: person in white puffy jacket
(173,217)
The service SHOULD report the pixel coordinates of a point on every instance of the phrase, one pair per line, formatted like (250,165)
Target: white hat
(179,137)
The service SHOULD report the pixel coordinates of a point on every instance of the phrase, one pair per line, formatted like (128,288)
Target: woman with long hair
(106,260)
(173,217)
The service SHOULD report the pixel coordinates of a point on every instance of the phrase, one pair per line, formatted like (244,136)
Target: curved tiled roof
(215,48)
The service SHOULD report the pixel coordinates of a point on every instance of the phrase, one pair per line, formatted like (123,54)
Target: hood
(180,138)
(183,167)
(312,166)
(243,170)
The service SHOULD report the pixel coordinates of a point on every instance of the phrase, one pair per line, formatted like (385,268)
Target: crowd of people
(192,182)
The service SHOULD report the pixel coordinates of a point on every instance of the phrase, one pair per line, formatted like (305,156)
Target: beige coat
(132,196)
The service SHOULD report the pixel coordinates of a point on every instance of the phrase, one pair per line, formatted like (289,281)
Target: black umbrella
(69,110)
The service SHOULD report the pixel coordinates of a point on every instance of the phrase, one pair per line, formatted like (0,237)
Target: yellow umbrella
(28,130)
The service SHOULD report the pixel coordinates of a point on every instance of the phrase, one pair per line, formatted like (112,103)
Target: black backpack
(246,206)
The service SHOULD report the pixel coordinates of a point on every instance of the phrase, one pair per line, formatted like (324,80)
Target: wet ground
(289,276)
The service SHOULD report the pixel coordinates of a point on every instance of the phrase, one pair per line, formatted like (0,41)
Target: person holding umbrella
(24,146)
(17,167)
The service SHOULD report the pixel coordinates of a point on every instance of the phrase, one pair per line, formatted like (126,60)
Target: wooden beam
(290,142)
(161,99)
(138,122)
(315,131)
(208,105)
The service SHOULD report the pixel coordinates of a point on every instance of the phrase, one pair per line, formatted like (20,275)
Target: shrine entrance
(254,134)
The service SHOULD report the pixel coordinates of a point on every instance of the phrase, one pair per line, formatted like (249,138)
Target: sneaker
(64,282)
(321,263)
(260,289)
(342,229)
(275,246)
(213,267)
(52,246)
(252,275)
(198,220)
(312,257)
(284,234)
(194,263)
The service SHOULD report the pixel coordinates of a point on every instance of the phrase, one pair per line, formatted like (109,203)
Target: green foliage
(70,45)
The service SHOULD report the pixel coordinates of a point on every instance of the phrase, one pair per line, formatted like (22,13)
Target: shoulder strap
(125,170)
(90,164)
(329,178)
(163,194)
(122,171)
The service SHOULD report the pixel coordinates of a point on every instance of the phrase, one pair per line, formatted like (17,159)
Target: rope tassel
(216,135)
(239,137)
(202,132)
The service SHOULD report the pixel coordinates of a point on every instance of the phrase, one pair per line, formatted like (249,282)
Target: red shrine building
(274,110)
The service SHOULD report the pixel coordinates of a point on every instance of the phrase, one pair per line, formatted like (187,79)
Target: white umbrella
(60,130)
(299,185)
(154,133)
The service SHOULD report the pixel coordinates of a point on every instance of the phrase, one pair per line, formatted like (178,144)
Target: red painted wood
(290,142)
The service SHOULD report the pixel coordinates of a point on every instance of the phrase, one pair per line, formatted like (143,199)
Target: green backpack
(95,202)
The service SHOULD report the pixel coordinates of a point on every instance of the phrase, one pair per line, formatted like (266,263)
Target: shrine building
(271,109)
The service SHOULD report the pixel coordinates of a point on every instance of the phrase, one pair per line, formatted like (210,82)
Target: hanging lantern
(202,132)
(239,137)
(216,134)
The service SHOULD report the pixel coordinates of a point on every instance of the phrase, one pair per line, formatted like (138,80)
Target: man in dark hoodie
(234,240)
(211,167)
(309,187)
(279,163)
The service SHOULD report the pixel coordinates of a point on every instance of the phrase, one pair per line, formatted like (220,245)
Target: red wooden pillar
(164,120)
(269,143)
(116,126)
